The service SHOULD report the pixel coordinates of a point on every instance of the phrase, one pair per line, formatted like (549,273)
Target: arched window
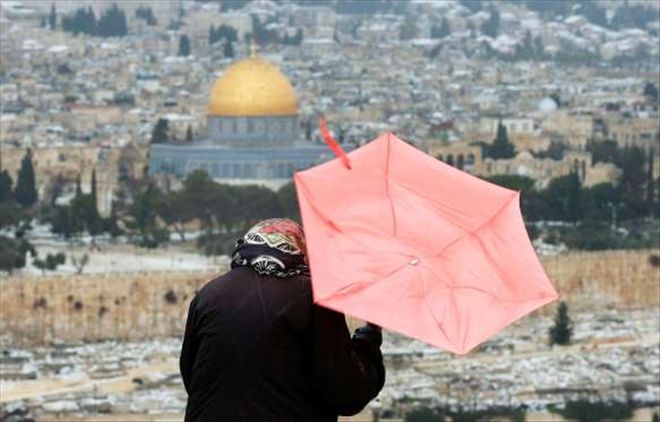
(450,159)
(460,161)
(470,160)
(215,170)
(235,171)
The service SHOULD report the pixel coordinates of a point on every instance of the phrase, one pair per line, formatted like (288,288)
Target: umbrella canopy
(400,239)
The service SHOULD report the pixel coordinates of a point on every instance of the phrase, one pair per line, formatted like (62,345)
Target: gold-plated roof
(252,87)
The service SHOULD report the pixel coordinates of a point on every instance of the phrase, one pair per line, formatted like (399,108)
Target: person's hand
(371,333)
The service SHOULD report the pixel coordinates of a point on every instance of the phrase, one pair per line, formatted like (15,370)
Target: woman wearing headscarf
(256,347)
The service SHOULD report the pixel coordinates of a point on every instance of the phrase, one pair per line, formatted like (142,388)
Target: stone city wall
(130,306)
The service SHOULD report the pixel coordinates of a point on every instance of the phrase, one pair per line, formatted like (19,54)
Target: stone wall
(132,306)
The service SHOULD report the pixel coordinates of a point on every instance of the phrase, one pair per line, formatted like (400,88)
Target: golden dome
(252,87)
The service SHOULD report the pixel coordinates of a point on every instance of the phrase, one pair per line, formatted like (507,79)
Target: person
(256,348)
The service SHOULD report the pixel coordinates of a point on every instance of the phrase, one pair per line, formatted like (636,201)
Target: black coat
(256,349)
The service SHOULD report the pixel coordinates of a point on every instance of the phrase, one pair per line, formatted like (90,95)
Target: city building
(253,132)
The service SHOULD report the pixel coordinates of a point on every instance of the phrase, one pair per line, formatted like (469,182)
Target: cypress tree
(160,133)
(562,331)
(26,190)
(94,188)
(6,185)
(229,49)
(78,187)
(501,147)
(184,45)
(52,18)
(650,194)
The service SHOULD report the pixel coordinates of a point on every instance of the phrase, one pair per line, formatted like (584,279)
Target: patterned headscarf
(274,247)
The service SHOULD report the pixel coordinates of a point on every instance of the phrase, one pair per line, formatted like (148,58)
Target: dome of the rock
(252,87)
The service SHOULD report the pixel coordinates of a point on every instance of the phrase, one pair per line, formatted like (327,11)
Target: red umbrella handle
(332,143)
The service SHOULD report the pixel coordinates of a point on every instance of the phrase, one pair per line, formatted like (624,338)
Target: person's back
(256,348)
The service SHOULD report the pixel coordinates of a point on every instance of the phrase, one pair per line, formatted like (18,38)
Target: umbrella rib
(475,231)
(387,184)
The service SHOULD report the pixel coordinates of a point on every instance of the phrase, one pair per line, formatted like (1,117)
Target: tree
(80,262)
(25,192)
(78,187)
(633,185)
(12,253)
(491,26)
(146,14)
(6,186)
(175,210)
(184,45)
(141,218)
(160,134)
(562,331)
(501,147)
(513,182)
(650,186)
(441,30)
(94,200)
(563,198)
(539,49)
(651,92)
(228,50)
(288,201)
(189,134)
(409,29)
(52,18)
(51,262)
(110,224)
(473,6)
(603,151)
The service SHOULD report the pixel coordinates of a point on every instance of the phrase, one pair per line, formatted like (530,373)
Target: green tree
(175,210)
(562,331)
(441,30)
(563,197)
(228,49)
(501,147)
(93,194)
(110,225)
(288,201)
(633,184)
(12,215)
(603,151)
(13,252)
(184,45)
(25,192)
(409,29)
(160,134)
(6,186)
(189,134)
(651,92)
(51,262)
(491,26)
(141,218)
(514,182)
(80,262)
(52,18)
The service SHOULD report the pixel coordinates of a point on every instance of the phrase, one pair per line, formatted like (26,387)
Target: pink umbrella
(402,240)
